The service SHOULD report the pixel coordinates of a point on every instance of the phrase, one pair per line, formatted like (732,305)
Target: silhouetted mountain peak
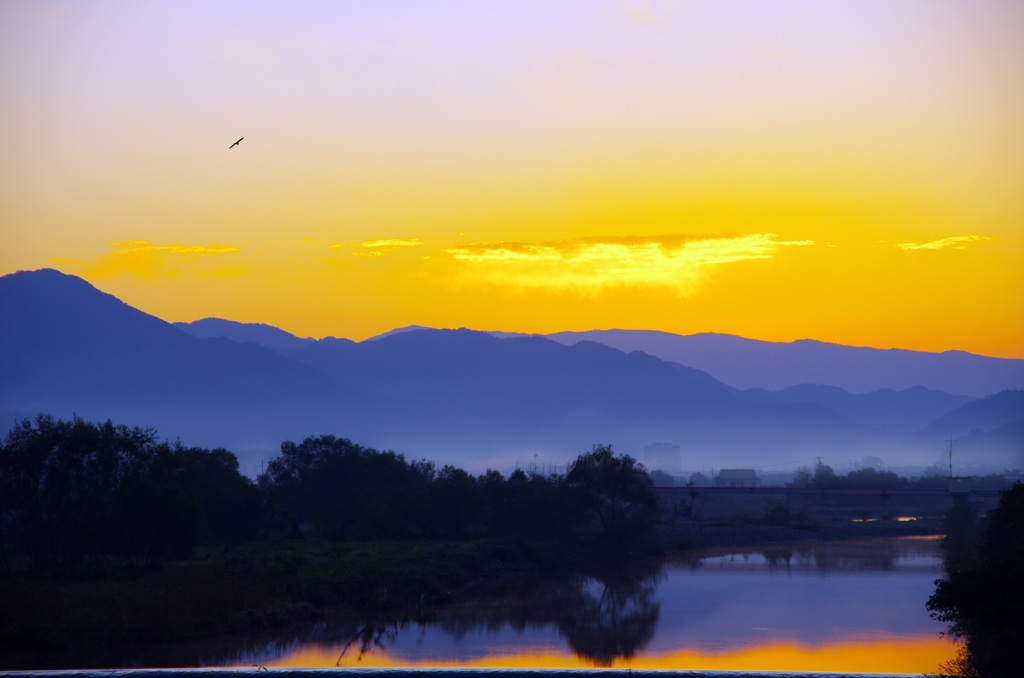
(398,330)
(68,347)
(265,335)
(52,308)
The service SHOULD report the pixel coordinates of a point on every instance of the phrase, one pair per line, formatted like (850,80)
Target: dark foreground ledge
(254,672)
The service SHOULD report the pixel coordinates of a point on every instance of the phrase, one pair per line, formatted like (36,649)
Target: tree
(72,490)
(983,599)
(157,512)
(872,479)
(59,484)
(229,501)
(613,499)
(456,502)
(803,477)
(824,476)
(182,497)
(350,492)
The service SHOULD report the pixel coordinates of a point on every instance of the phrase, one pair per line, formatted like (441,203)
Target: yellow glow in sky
(677,263)
(847,171)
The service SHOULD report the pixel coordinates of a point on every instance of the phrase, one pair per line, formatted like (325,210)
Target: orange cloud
(678,262)
(957,242)
(146,260)
(383,242)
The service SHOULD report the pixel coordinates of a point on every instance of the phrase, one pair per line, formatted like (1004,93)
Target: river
(850,606)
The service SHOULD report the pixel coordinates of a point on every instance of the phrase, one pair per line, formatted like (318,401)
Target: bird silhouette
(235,144)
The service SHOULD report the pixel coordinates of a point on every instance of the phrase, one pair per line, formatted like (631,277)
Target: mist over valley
(500,400)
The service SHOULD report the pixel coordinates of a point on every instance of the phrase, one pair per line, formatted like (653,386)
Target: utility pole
(951,441)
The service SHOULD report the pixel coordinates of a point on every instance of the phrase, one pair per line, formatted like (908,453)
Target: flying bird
(235,144)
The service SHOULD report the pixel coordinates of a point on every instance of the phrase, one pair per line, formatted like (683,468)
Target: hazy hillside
(505,400)
(982,416)
(453,396)
(883,422)
(907,411)
(1006,440)
(68,348)
(746,363)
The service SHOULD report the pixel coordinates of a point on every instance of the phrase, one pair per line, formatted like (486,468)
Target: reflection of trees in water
(606,616)
(615,617)
(778,558)
(369,636)
(874,555)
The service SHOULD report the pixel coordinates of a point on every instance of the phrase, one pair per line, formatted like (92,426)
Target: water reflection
(850,606)
(603,616)
(613,617)
(879,555)
(825,606)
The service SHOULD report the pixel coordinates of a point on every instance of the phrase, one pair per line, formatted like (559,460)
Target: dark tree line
(72,492)
(825,476)
(982,595)
(343,491)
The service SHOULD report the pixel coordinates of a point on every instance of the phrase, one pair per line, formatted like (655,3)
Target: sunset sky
(845,171)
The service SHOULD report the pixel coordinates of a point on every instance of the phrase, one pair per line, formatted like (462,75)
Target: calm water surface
(838,606)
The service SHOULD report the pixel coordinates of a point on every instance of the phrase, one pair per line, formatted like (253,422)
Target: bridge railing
(818,491)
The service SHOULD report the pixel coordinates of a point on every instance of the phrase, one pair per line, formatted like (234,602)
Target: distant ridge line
(474,399)
(746,363)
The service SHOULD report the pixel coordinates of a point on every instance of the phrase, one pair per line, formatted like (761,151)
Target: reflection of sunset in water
(884,654)
(851,606)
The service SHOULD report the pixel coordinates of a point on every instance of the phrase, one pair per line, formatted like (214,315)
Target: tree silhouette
(613,499)
(59,484)
(982,599)
(71,490)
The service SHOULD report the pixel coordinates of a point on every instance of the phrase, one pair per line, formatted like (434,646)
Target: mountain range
(478,399)
(747,363)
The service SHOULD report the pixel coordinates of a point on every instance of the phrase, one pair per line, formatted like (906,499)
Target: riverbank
(256,589)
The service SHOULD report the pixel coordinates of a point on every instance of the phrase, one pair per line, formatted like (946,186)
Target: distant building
(736,477)
(662,456)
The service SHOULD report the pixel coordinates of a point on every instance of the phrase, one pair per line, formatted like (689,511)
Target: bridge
(826,491)
(959,492)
